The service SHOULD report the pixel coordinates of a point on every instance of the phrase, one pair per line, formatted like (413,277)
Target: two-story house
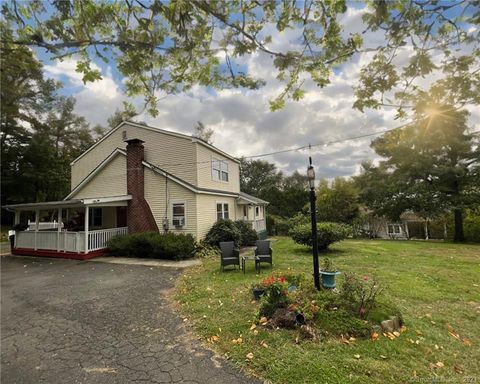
(138,178)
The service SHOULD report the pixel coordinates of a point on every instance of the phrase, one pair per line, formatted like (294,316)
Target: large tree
(337,201)
(164,47)
(430,167)
(40,133)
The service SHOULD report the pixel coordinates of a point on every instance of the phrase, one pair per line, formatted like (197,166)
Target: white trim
(159,130)
(223,202)
(106,200)
(184,202)
(213,159)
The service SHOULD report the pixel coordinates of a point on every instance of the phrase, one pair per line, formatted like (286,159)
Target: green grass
(435,285)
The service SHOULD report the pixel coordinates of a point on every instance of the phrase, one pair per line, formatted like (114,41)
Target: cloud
(242,122)
(95,100)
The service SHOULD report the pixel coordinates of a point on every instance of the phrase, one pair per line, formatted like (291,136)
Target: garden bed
(434,286)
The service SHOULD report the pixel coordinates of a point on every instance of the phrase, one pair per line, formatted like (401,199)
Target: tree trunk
(459,236)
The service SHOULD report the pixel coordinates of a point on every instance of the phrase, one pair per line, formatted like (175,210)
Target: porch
(78,229)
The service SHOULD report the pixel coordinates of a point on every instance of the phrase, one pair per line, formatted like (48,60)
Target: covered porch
(76,228)
(251,209)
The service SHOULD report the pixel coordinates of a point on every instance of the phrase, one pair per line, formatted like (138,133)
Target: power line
(309,146)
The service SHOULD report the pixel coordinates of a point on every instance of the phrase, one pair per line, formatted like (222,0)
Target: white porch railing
(42,226)
(258,225)
(98,239)
(65,241)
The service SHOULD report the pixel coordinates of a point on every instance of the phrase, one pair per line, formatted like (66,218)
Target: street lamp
(313,210)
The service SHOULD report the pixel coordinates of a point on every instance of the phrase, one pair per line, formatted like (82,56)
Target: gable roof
(159,130)
(154,168)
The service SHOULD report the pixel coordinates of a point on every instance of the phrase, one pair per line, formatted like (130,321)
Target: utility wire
(309,146)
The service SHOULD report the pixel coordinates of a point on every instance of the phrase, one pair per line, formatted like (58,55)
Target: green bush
(248,236)
(277,225)
(223,230)
(327,233)
(169,246)
(471,225)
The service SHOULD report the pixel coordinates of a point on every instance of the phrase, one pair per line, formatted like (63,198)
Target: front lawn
(435,285)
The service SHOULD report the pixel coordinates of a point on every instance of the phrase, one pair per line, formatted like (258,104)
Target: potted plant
(328,273)
(258,290)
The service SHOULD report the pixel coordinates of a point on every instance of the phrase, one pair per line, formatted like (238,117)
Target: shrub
(327,233)
(223,230)
(170,245)
(340,322)
(359,295)
(277,225)
(472,225)
(275,296)
(248,236)
(204,250)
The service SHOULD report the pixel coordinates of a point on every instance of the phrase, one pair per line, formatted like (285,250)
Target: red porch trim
(62,255)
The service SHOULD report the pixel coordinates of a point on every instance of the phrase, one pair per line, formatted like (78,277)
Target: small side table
(244,258)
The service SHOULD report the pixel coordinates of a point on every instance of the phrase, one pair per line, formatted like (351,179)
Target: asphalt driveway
(65,321)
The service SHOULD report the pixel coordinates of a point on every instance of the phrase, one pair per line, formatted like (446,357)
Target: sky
(241,119)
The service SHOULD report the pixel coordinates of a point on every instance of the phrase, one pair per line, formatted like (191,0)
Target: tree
(40,134)
(337,201)
(257,177)
(203,133)
(167,47)
(120,116)
(430,167)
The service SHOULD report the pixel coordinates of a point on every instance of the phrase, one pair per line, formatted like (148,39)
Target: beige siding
(110,181)
(161,149)
(161,202)
(207,211)
(204,169)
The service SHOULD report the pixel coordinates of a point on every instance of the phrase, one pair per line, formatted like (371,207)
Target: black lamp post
(313,210)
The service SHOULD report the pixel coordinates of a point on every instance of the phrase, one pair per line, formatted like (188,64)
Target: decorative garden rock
(388,326)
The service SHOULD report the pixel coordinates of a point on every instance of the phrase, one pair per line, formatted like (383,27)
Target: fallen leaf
(397,334)
(263,320)
(414,373)
(237,341)
(213,339)
(440,364)
(352,339)
(375,336)
(264,344)
(403,329)
(255,332)
(356,356)
(253,327)
(383,357)
(249,356)
(458,368)
(467,342)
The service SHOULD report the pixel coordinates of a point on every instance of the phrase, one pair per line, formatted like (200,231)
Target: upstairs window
(178,214)
(219,170)
(222,211)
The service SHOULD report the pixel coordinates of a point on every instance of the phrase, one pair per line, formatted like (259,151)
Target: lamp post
(313,210)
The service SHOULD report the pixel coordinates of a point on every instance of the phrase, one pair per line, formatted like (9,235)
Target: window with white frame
(178,214)
(394,229)
(219,170)
(222,211)
(257,211)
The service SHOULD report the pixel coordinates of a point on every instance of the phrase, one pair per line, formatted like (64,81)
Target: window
(95,217)
(245,211)
(257,211)
(178,214)
(394,229)
(219,170)
(222,211)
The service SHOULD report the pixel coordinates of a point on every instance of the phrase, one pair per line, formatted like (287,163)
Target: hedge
(155,245)
(327,233)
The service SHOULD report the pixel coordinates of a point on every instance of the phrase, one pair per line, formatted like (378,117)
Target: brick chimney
(139,214)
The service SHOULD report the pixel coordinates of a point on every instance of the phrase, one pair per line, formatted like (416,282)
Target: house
(138,178)
(409,226)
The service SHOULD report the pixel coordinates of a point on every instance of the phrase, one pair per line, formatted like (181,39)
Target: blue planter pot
(328,279)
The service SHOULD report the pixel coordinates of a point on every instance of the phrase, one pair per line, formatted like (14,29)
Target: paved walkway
(67,321)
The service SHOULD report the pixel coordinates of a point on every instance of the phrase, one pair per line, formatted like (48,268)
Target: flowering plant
(276,294)
(360,293)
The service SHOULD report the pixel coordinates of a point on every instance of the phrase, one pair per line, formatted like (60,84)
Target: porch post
(37,219)
(87,209)
(17,217)
(59,228)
